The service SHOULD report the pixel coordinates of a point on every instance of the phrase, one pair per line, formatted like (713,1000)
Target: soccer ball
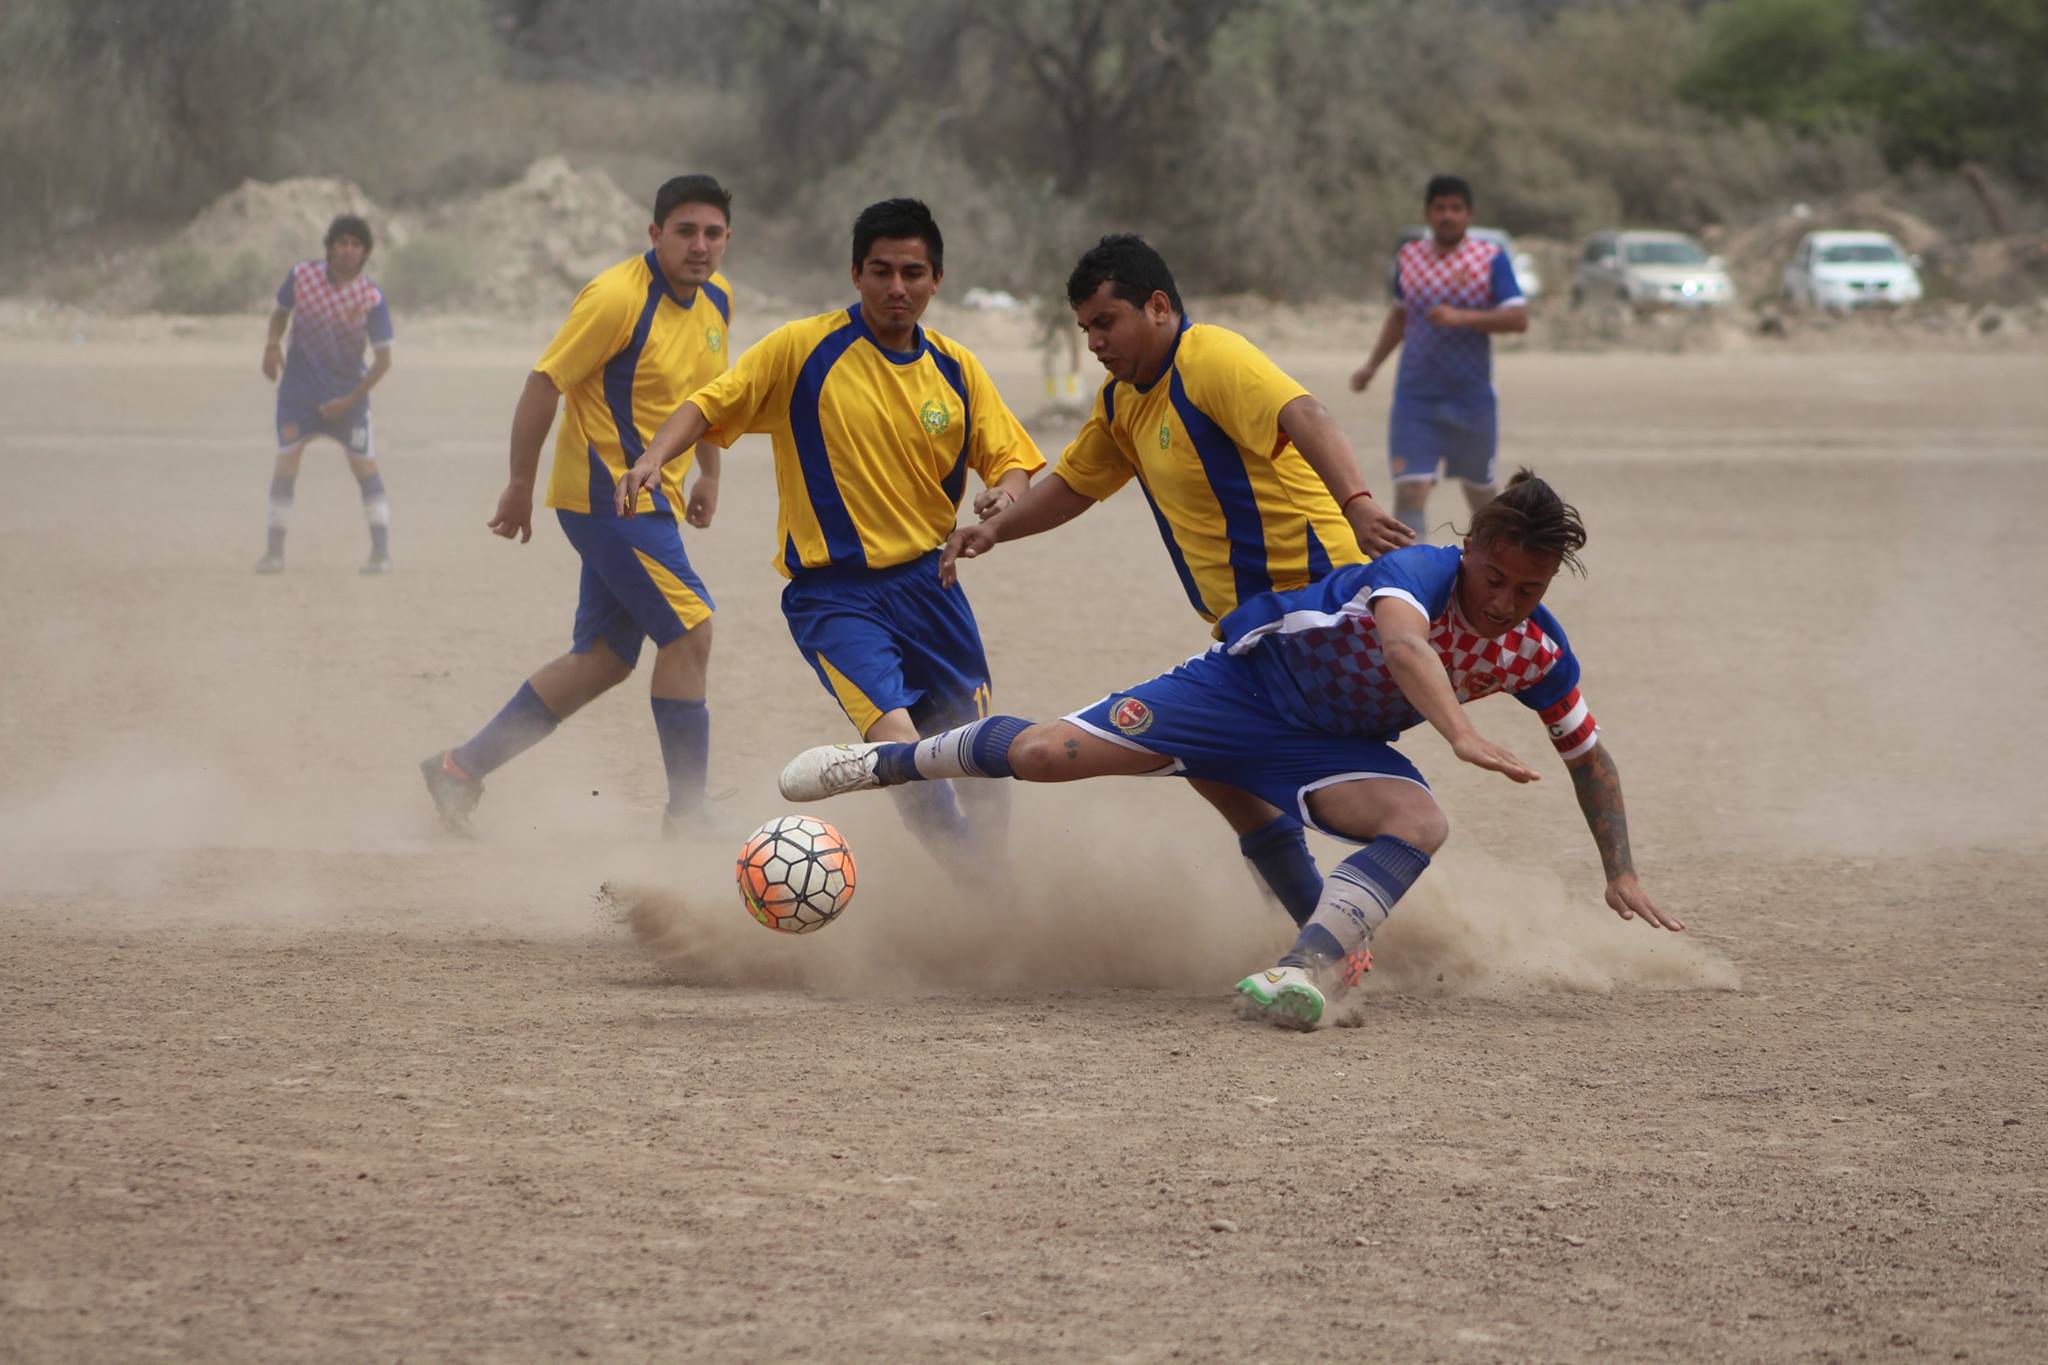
(795,874)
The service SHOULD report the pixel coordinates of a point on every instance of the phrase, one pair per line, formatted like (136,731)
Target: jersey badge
(1131,716)
(934,416)
(1165,435)
(714,340)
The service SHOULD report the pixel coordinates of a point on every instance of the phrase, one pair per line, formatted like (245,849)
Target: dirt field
(284,1075)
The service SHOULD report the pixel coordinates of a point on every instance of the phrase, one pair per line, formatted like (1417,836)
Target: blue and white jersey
(1316,651)
(1450,362)
(330,326)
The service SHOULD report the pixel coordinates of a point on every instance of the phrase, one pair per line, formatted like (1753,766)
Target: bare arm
(531,417)
(1316,435)
(1597,783)
(1391,332)
(703,504)
(273,345)
(1512,317)
(1044,505)
(684,428)
(1404,644)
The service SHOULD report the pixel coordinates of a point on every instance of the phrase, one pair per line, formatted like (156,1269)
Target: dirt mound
(529,246)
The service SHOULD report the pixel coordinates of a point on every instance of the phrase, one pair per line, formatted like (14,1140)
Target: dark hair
(348,225)
(1128,263)
(691,189)
(1529,515)
(898,218)
(1442,186)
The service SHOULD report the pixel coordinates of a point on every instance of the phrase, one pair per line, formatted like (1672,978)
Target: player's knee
(1036,754)
(1426,827)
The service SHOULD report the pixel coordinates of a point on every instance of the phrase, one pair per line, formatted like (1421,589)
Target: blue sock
(280,510)
(1356,900)
(1279,851)
(524,722)
(981,749)
(685,730)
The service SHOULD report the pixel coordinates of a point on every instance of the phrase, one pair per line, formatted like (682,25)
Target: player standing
(638,340)
(1453,293)
(1301,702)
(333,309)
(1252,484)
(875,422)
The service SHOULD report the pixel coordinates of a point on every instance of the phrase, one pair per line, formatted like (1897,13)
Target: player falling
(333,309)
(1300,703)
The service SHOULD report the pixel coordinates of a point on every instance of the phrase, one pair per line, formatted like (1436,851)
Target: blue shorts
(298,423)
(637,583)
(880,639)
(1211,718)
(1458,435)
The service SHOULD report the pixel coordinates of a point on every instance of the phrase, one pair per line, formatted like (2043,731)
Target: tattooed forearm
(1598,785)
(1073,750)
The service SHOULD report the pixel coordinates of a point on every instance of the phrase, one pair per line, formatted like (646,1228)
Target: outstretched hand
(1484,753)
(1626,897)
(643,475)
(965,543)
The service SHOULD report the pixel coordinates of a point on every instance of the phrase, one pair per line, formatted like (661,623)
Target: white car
(1845,270)
(1649,270)
(1525,265)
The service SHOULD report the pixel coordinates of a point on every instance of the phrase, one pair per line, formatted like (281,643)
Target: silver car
(1649,270)
(1844,270)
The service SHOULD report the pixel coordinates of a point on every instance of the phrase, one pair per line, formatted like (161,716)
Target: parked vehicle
(1650,270)
(1845,270)
(1526,273)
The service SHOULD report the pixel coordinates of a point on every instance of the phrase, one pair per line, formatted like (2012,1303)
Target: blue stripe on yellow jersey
(630,352)
(872,446)
(1240,510)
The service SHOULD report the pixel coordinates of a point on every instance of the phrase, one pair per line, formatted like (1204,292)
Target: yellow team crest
(1165,435)
(934,416)
(714,340)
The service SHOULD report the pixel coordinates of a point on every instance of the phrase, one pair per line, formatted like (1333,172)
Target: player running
(1300,704)
(639,338)
(333,309)
(1253,486)
(875,422)
(1454,292)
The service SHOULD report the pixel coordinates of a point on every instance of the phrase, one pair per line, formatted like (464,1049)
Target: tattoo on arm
(1073,750)
(1598,785)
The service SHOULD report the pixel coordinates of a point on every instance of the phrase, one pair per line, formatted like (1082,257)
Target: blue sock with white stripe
(684,728)
(1278,851)
(281,489)
(522,723)
(377,512)
(978,750)
(1357,897)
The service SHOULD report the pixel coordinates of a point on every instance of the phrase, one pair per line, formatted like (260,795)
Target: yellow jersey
(1240,510)
(628,355)
(872,446)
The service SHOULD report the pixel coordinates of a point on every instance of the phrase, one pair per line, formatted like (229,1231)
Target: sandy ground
(284,1075)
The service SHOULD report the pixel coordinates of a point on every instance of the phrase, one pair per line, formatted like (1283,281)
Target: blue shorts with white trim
(1210,717)
(1459,435)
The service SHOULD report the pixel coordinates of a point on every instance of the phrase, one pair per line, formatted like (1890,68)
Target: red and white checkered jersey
(330,326)
(1317,649)
(1449,361)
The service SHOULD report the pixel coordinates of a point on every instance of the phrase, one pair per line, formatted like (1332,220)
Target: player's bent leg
(1401,825)
(1272,843)
(1000,746)
(1411,503)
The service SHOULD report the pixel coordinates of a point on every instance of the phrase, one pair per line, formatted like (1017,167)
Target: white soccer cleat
(1284,996)
(830,770)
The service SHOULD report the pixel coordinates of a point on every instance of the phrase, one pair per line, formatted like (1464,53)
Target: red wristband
(1361,493)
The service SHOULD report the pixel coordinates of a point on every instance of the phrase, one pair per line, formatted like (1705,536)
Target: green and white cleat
(830,770)
(1283,996)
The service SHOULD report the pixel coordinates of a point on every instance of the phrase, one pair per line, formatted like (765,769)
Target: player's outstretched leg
(1333,949)
(1278,852)
(284,479)
(455,777)
(981,749)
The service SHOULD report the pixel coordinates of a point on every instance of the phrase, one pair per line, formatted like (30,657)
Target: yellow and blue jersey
(872,446)
(628,355)
(1240,510)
